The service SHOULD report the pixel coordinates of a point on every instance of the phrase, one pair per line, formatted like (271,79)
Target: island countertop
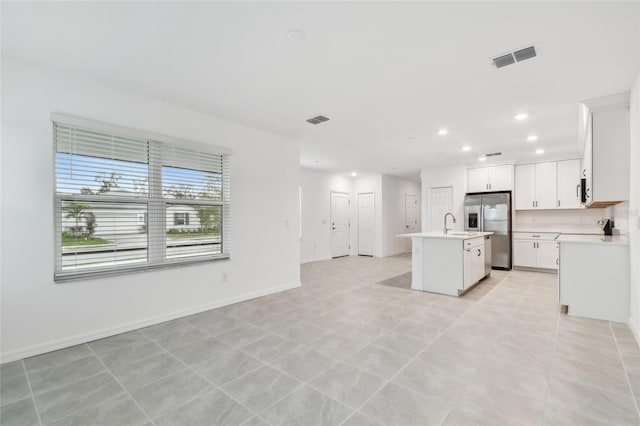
(452,235)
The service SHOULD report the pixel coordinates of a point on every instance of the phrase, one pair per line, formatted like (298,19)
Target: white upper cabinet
(489,179)
(550,185)
(606,153)
(546,186)
(525,193)
(569,184)
(536,186)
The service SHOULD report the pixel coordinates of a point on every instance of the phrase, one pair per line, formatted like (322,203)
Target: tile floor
(342,350)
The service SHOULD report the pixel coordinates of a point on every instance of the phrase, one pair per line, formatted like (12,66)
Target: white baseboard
(634,331)
(78,339)
(316,259)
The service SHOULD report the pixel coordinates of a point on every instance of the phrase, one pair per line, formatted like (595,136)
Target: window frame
(156,222)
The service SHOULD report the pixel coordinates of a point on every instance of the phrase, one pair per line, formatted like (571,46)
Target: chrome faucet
(445,222)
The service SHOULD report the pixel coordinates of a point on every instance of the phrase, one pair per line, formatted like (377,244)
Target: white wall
(634,208)
(393,214)
(454,176)
(316,212)
(39,315)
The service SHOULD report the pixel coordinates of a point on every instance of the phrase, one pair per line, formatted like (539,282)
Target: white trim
(315,259)
(123,328)
(138,133)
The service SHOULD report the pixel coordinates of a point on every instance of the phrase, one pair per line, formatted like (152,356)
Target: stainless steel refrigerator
(491,212)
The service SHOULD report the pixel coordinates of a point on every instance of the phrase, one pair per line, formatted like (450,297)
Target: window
(181,218)
(125,202)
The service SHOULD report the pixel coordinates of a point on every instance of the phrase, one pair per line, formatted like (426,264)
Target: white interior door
(366,224)
(440,203)
(411,212)
(339,224)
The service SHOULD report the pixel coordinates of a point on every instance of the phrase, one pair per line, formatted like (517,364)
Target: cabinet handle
(584,172)
(578,191)
(533,204)
(479,252)
(558,203)
(536,236)
(557,261)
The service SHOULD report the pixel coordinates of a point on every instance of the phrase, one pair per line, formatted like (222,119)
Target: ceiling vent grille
(317,120)
(493,154)
(514,56)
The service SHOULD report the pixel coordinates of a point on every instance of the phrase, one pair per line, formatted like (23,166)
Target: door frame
(331,192)
(373,216)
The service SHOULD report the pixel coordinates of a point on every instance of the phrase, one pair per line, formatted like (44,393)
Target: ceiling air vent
(493,154)
(504,60)
(514,56)
(317,120)
(526,53)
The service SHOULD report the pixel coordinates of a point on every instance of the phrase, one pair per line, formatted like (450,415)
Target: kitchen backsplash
(568,221)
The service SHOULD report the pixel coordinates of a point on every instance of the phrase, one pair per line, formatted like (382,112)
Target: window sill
(64,277)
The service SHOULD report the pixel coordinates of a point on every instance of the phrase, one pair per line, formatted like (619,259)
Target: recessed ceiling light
(296,35)
(466,148)
(483,158)
(443,132)
(521,116)
(354,174)
(532,138)
(539,151)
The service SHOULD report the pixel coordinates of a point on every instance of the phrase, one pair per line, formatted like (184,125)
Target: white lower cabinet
(473,263)
(535,250)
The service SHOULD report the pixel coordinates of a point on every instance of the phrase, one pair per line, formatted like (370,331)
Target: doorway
(340,224)
(410,212)
(366,223)
(440,203)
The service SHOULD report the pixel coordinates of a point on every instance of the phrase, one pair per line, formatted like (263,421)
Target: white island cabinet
(449,263)
(594,277)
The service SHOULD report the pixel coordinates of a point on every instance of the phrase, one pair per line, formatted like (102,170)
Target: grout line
(135,401)
(626,374)
(390,380)
(33,397)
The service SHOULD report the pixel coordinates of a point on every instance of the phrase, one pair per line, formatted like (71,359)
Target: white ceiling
(384,72)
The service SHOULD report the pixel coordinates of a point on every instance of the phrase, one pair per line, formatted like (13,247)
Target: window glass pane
(196,230)
(191,184)
(79,174)
(102,234)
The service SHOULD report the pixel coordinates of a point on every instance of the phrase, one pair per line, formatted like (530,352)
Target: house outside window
(181,218)
(125,203)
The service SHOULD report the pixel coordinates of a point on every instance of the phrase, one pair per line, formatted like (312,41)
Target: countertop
(594,239)
(441,235)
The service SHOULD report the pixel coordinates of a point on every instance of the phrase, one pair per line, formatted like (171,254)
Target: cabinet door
(468,268)
(478,262)
(500,178)
(478,179)
(568,184)
(548,254)
(546,185)
(524,253)
(525,187)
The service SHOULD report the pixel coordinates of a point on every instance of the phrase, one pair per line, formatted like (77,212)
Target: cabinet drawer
(534,236)
(473,242)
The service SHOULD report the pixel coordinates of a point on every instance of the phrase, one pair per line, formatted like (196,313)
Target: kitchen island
(450,263)
(594,276)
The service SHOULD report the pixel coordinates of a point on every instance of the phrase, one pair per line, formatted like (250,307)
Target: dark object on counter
(607,226)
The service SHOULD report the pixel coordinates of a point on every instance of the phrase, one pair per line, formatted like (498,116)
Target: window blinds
(117,198)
